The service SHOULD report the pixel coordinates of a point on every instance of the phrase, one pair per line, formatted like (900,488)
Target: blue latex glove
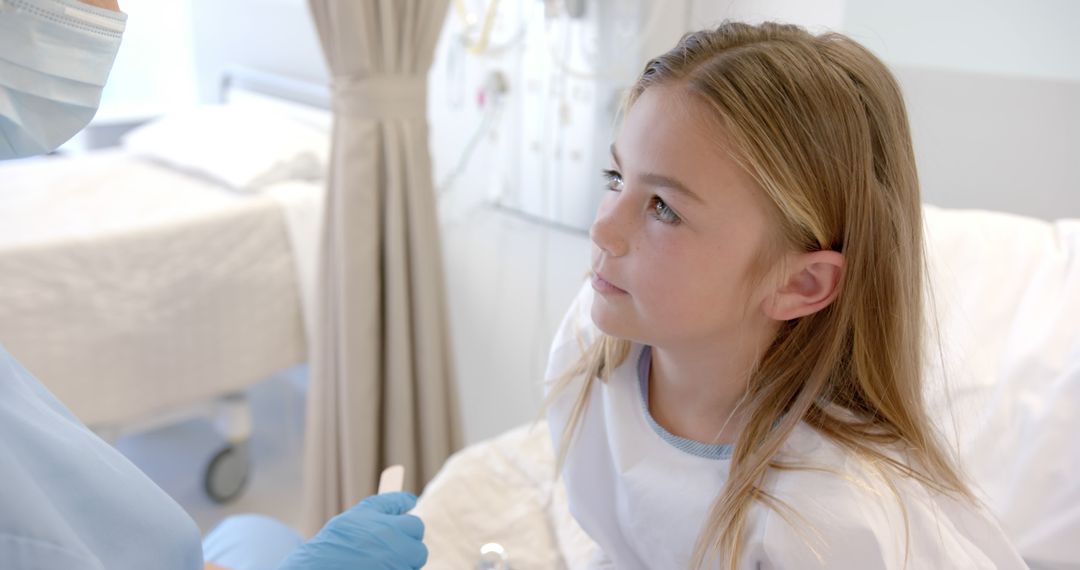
(375,533)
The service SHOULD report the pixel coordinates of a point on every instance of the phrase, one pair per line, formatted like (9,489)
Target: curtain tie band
(382,97)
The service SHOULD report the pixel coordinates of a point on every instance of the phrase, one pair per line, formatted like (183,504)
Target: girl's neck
(695,389)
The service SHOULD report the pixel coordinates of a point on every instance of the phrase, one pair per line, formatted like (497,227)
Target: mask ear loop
(392,479)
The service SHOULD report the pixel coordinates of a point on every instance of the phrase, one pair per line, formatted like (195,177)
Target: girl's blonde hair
(819,123)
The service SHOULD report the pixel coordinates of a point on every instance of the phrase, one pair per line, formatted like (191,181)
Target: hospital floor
(176,456)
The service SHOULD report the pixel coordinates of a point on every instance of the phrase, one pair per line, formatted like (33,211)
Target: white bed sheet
(130,289)
(503,490)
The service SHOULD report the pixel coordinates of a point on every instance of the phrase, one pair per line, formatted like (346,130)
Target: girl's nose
(607,232)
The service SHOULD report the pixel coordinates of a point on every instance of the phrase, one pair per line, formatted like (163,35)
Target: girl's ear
(811,283)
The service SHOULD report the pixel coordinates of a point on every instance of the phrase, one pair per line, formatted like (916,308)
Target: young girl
(755,321)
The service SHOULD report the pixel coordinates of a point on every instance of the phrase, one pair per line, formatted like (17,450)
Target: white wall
(1037,38)
(509,282)
(154,69)
(996,142)
(174,51)
(276,36)
(815,15)
(993,94)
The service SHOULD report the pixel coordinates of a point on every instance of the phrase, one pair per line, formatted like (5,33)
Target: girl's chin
(610,322)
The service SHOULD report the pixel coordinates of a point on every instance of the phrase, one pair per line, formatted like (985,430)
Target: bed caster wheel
(227,474)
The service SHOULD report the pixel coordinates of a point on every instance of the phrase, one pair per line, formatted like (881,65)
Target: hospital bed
(158,280)
(1003,383)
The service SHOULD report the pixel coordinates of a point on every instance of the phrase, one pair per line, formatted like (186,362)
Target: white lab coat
(643,494)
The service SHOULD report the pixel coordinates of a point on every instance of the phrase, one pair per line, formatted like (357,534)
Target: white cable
(481,45)
(490,117)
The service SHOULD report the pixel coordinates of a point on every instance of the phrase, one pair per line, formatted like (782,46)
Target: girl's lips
(603,287)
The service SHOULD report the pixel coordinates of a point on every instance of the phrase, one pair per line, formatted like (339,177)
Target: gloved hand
(375,533)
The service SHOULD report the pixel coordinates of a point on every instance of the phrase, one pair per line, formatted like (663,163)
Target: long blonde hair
(819,123)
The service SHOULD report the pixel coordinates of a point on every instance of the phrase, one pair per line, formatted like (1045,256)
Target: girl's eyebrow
(654,179)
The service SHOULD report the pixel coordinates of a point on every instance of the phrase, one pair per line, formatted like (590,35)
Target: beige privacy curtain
(381,390)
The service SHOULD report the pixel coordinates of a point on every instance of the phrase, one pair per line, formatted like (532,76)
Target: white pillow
(243,147)
(1007,292)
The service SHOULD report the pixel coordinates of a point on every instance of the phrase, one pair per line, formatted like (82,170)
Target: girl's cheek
(667,250)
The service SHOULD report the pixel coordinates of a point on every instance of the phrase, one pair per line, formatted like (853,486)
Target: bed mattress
(129,288)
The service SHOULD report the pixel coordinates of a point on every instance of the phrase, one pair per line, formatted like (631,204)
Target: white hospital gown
(643,494)
(69,501)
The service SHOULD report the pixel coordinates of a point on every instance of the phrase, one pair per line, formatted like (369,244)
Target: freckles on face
(683,279)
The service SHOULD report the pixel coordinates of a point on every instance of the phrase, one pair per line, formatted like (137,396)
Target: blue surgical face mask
(55,56)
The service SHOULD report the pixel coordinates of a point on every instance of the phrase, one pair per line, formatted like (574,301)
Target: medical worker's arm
(376,533)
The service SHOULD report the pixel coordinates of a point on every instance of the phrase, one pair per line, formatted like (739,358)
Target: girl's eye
(664,213)
(660,209)
(614,180)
